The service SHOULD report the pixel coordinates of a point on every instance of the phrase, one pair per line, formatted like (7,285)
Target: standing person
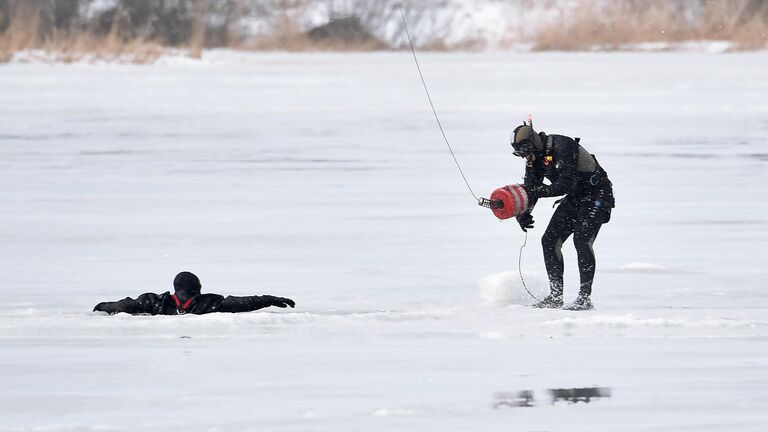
(575,173)
(188,299)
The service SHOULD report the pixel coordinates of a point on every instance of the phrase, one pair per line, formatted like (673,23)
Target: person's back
(188,299)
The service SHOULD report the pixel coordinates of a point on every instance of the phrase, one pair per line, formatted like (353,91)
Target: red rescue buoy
(515,200)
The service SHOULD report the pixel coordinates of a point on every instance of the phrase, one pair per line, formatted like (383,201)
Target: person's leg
(559,229)
(584,237)
(592,214)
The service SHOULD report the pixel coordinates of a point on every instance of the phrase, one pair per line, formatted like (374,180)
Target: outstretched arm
(148,303)
(252,303)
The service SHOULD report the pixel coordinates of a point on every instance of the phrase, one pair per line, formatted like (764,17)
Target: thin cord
(434,111)
(520,267)
(442,131)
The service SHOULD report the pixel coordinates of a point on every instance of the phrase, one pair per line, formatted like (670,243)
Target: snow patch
(641,267)
(506,288)
(704,46)
(492,335)
(631,321)
(388,412)
(97,7)
(66,428)
(712,47)
(17,324)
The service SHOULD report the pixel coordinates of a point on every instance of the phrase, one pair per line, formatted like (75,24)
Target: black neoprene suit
(587,204)
(166,304)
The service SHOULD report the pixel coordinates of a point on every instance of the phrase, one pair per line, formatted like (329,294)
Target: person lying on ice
(187,299)
(575,173)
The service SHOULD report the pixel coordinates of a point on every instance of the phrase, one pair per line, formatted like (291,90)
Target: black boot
(551,301)
(582,302)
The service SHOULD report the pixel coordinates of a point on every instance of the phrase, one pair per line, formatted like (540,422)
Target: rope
(434,111)
(456,161)
(520,268)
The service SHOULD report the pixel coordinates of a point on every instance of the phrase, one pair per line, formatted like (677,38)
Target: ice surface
(322,177)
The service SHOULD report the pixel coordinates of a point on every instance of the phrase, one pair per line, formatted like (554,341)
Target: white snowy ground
(323,178)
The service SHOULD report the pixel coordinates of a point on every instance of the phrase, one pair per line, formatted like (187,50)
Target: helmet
(525,141)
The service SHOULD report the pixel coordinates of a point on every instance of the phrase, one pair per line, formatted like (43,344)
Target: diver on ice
(188,299)
(586,206)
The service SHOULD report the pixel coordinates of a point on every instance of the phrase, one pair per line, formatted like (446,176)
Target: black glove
(280,302)
(526,221)
(107,307)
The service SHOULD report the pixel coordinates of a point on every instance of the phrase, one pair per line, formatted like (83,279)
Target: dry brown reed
(591,24)
(288,35)
(621,23)
(27,31)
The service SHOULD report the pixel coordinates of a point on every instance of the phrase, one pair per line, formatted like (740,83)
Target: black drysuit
(573,172)
(168,304)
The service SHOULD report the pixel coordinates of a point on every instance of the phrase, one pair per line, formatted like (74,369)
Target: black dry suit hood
(186,286)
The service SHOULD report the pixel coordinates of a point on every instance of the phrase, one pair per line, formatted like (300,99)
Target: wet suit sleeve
(252,303)
(148,303)
(534,178)
(566,153)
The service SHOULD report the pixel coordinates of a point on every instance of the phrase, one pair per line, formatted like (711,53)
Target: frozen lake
(323,177)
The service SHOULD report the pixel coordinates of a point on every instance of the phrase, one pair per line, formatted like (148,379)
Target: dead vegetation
(343,34)
(133,31)
(142,30)
(617,24)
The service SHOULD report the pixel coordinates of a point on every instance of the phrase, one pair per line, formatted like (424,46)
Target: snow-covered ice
(322,177)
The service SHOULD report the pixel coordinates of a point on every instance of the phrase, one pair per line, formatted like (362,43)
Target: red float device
(515,199)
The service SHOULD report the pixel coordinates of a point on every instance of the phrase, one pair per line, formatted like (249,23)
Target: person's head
(525,142)
(186,285)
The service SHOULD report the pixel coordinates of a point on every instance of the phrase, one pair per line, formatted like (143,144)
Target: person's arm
(251,303)
(566,154)
(148,303)
(534,178)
